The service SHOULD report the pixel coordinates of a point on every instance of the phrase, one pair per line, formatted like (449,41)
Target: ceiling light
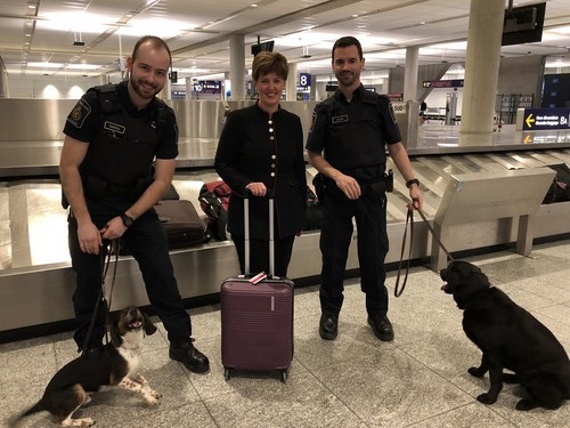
(77,40)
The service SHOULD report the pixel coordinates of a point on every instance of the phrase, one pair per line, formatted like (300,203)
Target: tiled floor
(419,380)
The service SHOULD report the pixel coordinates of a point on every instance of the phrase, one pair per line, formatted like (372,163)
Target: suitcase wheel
(227,373)
(283,376)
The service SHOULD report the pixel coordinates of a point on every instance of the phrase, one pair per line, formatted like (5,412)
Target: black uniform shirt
(353,134)
(123,140)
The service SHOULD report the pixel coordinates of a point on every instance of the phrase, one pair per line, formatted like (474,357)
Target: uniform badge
(392,114)
(313,121)
(79,113)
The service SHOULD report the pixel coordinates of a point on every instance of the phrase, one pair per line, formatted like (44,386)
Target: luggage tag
(258,278)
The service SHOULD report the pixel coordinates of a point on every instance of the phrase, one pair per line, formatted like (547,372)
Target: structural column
(104,79)
(481,72)
(237,66)
(291,87)
(410,136)
(411,74)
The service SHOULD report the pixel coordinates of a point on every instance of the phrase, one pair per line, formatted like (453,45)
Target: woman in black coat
(260,152)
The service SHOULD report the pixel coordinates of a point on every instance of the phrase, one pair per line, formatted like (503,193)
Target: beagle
(115,365)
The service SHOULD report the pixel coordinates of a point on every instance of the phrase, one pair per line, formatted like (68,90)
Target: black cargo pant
(336,235)
(147,241)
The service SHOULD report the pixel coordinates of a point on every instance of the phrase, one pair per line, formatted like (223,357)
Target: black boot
(328,327)
(382,327)
(187,354)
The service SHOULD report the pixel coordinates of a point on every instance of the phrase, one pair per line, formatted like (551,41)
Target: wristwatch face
(127,221)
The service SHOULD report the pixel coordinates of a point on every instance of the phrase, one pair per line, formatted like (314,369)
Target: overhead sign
(208,86)
(436,84)
(536,119)
(304,80)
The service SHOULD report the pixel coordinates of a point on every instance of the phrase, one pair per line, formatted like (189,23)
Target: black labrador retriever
(509,338)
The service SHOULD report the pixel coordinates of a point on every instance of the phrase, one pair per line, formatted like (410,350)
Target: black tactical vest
(123,149)
(354,135)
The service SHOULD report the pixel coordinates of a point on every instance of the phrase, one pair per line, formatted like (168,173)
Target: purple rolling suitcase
(257,316)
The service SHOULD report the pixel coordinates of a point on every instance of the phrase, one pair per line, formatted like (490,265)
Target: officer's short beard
(347,79)
(137,88)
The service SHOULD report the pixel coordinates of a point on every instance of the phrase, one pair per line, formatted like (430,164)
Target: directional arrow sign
(539,119)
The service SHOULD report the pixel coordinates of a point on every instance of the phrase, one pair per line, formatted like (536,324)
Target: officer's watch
(127,221)
(412,181)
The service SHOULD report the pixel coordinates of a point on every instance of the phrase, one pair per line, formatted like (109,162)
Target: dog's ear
(149,326)
(116,338)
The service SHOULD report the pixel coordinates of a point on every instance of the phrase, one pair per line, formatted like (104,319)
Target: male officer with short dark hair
(113,134)
(352,128)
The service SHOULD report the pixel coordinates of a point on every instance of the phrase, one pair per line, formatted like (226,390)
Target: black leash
(410,220)
(105,257)
(434,235)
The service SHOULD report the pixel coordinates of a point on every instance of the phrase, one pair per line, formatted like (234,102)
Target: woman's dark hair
(269,62)
(345,42)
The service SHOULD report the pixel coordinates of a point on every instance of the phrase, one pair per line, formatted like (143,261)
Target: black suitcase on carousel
(257,316)
(184,226)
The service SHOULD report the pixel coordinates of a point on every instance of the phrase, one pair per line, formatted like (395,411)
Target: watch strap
(412,181)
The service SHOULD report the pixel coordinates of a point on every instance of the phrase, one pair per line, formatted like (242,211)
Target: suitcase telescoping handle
(247,243)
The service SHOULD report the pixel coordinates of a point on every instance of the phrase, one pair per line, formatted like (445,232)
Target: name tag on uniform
(114,127)
(340,119)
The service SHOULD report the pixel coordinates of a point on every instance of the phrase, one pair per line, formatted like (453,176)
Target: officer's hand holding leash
(417,198)
(114,229)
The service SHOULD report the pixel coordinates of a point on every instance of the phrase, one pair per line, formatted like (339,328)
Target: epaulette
(108,98)
(328,104)
(370,97)
(161,113)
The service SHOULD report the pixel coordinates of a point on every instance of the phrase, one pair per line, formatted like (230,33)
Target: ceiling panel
(198,32)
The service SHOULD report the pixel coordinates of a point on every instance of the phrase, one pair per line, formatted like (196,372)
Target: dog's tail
(15,421)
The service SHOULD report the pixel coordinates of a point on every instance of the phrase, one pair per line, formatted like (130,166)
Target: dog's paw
(82,422)
(526,404)
(151,401)
(152,397)
(155,394)
(486,399)
(476,371)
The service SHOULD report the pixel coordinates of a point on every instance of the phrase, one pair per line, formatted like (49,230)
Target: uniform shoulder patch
(392,114)
(79,113)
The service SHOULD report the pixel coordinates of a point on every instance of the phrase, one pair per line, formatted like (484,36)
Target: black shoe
(187,354)
(328,327)
(382,327)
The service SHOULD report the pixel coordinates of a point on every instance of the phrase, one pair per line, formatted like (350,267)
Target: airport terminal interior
(484,171)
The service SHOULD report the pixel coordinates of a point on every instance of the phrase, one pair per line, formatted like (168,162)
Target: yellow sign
(527,139)
(529,120)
